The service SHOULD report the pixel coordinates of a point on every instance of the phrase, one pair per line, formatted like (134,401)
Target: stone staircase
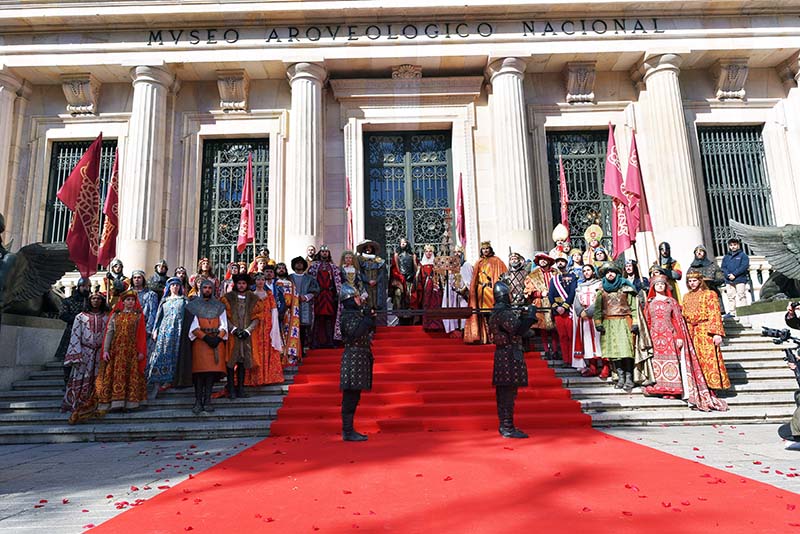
(31,413)
(763,389)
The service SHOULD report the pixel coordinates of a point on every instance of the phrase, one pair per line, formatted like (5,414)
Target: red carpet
(572,480)
(422,382)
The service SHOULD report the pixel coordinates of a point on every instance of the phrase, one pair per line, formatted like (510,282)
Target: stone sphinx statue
(27,276)
(781,247)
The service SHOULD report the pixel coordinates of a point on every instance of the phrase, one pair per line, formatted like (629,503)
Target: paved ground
(100,480)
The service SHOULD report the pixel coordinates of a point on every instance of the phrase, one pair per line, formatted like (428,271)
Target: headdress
(265,259)
(301,260)
(609,267)
(593,233)
(115,262)
(376,248)
(161,262)
(654,280)
(575,251)
(458,248)
(128,293)
(347,292)
(696,274)
(259,276)
(543,256)
(241,276)
(429,248)
(171,282)
(486,244)
(560,233)
(138,272)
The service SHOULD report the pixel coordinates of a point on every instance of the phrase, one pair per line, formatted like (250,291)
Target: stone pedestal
(9,85)
(143,180)
(304,162)
(26,343)
(668,177)
(512,168)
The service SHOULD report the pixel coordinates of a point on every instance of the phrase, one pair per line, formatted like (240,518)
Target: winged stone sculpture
(27,276)
(781,247)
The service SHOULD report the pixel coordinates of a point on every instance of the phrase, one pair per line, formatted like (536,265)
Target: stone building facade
(394,107)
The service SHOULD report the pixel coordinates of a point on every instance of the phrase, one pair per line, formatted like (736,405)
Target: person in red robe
(326,305)
(429,289)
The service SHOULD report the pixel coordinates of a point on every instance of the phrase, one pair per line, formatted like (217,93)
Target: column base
(139,254)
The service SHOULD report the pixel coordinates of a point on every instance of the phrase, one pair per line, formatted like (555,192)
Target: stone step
(781,389)
(197,428)
(58,383)
(39,393)
(772,376)
(637,401)
(736,415)
(223,410)
(178,401)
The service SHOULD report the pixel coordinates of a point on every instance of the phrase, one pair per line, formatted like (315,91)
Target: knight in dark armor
(70,308)
(506,329)
(158,282)
(515,277)
(403,275)
(356,370)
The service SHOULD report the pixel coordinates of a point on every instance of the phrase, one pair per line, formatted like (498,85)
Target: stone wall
(26,343)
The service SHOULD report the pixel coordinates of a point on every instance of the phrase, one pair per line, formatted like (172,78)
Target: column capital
(158,75)
(310,71)
(507,65)
(10,81)
(652,64)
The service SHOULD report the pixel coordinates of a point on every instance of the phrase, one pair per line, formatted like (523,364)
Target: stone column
(789,73)
(304,185)
(512,166)
(9,85)
(143,177)
(669,175)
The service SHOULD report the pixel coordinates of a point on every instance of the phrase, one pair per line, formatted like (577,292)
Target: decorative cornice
(406,72)
(730,75)
(81,91)
(579,77)
(234,89)
(789,72)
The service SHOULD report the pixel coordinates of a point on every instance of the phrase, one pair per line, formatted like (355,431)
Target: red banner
(613,187)
(638,213)
(108,241)
(562,184)
(247,221)
(349,242)
(461,225)
(81,194)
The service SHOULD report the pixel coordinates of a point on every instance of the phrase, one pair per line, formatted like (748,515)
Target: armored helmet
(502,293)
(348,292)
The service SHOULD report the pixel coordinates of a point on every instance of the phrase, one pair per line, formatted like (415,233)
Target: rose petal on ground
(448,478)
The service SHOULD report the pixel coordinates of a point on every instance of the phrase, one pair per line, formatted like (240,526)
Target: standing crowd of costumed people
(134,337)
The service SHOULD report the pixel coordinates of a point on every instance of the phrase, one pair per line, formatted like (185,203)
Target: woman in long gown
(663,316)
(429,289)
(267,343)
(83,357)
(291,319)
(704,317)
(167,335)
(586,353)
(120,383)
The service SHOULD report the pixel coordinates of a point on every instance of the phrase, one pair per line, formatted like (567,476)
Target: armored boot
(348,432)
(198,395)
(240,383)
(229,385)
(619,367)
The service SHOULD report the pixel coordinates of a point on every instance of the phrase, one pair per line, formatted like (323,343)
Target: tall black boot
(208,386)
(240,382)
(229,385)
(350,400)
(628,385)
(198,394)
(505,411)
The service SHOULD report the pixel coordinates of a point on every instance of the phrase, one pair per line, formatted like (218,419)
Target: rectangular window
(224,167)
(735,178)
(584,157)
(63,158)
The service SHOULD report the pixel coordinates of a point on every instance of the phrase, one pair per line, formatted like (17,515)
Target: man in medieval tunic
(356,369)
(373,275)
(456,293)
(403,274)
(243,308)
(71,307)
(510,371)
(486,272)
(115,283)
(561,295)
(326,308)
(158,282)
(616,317)
(537,286)
(208,333)
(515,278)
(307,290)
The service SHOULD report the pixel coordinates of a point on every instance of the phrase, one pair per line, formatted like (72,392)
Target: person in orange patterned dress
(702,313)
(485,273)
(267,344)
(120,383)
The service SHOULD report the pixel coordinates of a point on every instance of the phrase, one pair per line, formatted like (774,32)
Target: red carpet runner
(422,382)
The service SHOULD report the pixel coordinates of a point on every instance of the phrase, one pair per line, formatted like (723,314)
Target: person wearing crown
(486,271)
